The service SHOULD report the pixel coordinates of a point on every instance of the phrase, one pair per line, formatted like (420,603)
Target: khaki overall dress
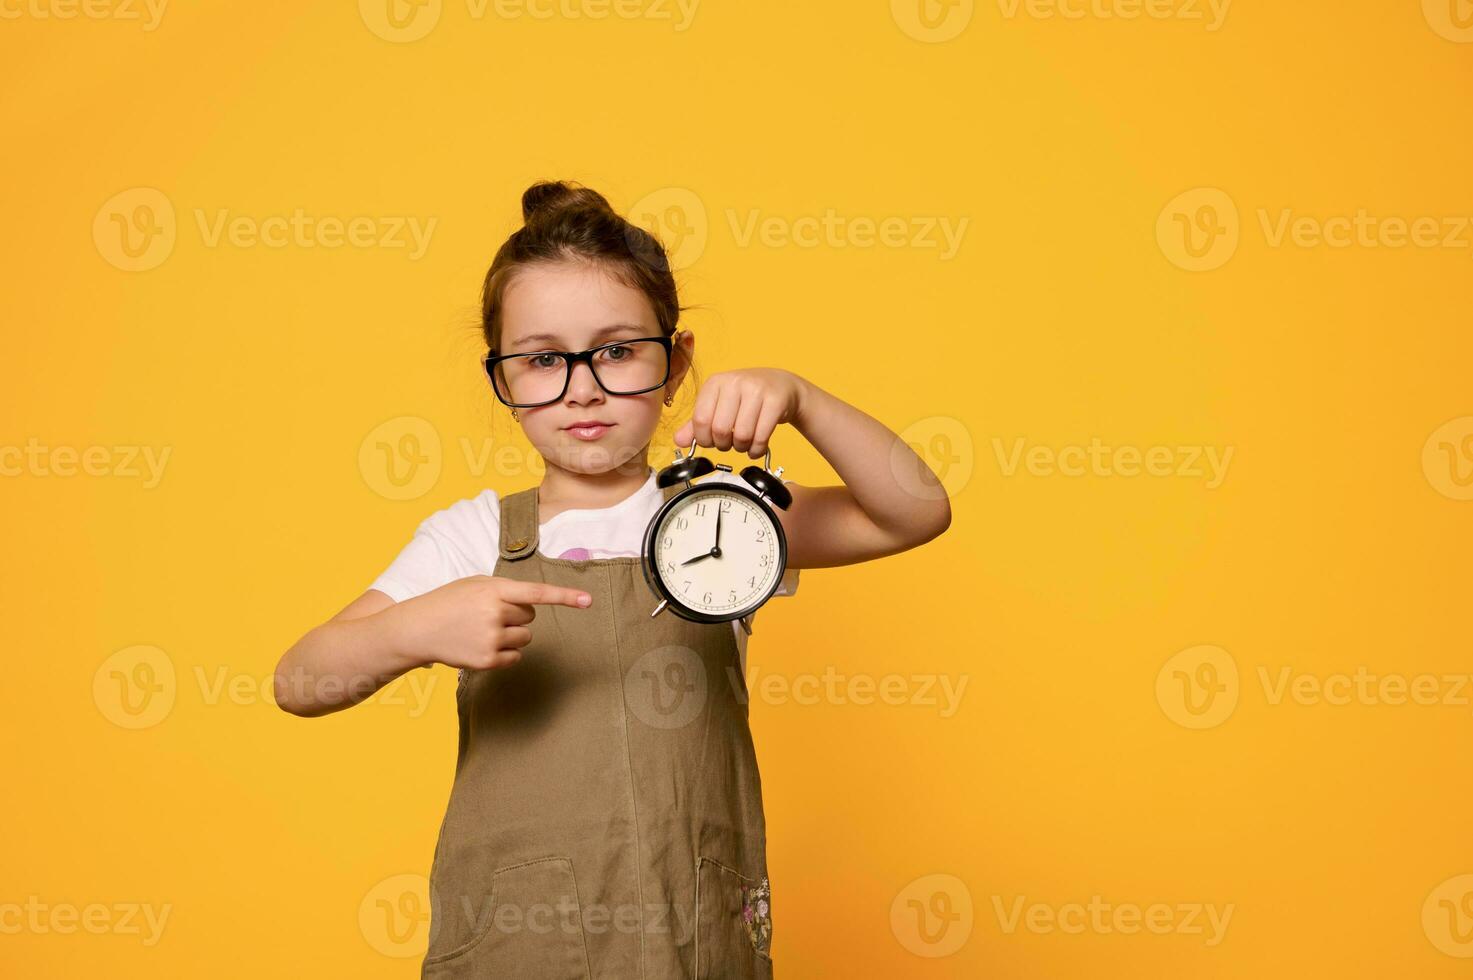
(606,816)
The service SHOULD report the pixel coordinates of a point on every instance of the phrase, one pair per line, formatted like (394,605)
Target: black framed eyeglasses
(622,367)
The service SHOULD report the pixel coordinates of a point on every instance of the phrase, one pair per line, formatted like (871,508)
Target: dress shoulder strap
(519,524)
(519,521)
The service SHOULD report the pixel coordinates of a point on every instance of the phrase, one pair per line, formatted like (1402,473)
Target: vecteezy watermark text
(149,13)
(1103,918)
(136,230)
(1200,230)
(37,917)
(406,21)
(37,459)
(939,233)
(940,691)
(1211,12)
(1099,459)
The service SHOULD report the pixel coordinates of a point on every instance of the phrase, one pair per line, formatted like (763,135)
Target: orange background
(1081,151)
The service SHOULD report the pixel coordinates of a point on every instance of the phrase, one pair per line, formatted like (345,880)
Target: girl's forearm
(867,456)
(342,662)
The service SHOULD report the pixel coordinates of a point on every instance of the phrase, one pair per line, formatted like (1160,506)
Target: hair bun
(549,196)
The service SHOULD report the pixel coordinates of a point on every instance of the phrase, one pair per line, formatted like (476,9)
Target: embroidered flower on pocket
(757,915)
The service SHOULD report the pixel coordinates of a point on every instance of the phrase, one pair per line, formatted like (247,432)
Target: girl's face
(572,306)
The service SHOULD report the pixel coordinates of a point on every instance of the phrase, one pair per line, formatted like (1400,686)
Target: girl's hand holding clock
(873,512)
(740,409)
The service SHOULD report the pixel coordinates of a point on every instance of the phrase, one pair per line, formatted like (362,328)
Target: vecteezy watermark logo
(944,448)
(147,12)
(1447,917)
(401,458)
(136,230)
(394,916)
(1198,687)
(1213,13)
(135,687)
(38,918)
(666,687)
(677,217)
(1101,918)
(932,21)
(400,21)
(1447,458)
(1451,19)
(1198,230)
(932,915)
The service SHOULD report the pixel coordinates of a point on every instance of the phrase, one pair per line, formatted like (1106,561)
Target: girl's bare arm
(346,659)
(478,623)
(890,502)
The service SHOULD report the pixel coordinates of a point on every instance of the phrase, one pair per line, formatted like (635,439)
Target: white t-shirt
(464,539)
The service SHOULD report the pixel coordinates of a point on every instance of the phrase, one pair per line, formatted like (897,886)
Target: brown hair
(563,221)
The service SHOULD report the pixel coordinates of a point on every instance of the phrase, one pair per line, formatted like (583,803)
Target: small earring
(515,416)
(670,399)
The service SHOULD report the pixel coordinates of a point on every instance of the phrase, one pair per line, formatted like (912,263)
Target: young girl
(606,815)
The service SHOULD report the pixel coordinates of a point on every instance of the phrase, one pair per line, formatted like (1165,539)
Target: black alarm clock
(715,552)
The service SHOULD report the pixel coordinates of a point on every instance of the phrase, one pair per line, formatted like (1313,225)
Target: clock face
(718,576)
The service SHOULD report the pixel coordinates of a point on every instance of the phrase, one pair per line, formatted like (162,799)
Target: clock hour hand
(715,551)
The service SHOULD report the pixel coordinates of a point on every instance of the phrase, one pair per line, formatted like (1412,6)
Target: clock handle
(768,483)
(767,464)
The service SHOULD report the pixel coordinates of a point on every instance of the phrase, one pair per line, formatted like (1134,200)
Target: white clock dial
(741,574)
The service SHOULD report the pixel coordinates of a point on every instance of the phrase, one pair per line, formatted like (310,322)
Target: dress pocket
(733,924)
(528,925)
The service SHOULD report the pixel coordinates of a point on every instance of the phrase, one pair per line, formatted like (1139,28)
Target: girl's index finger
(540,593)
